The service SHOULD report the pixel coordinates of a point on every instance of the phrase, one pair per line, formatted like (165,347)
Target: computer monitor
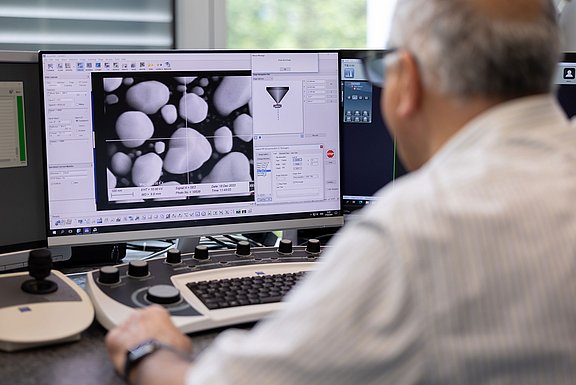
(21,170)
(170,144)
(566,81)
(369,159)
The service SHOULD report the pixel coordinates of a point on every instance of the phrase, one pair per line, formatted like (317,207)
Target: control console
(204,289)
(42,307)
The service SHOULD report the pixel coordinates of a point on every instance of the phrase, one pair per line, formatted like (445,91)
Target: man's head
(469,54)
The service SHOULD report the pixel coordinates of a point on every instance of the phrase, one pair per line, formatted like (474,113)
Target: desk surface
(83,362)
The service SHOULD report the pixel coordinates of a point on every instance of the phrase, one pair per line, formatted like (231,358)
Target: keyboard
(205,289)
(224,293)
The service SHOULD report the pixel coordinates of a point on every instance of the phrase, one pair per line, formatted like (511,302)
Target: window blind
(82,24)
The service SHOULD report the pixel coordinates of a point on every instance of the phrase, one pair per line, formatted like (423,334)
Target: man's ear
(409,83)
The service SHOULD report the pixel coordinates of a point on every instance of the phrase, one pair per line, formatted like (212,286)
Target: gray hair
(463,52)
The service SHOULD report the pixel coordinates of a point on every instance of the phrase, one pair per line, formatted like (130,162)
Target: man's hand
(151,322)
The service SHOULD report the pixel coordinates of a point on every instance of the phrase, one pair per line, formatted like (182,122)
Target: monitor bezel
(170,230)
(14,250)
(351,204)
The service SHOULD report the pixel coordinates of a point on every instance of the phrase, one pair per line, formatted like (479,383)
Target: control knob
(173,256)
(313,246)
(138,269)
(201,253)
(285,246)
(109,275)
(163,294)
(243,248)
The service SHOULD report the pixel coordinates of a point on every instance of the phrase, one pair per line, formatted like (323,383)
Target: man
(463,272)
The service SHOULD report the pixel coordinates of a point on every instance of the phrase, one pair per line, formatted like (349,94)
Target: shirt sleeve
(353,320)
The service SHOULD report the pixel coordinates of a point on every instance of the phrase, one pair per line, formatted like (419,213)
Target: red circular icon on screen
(330,154)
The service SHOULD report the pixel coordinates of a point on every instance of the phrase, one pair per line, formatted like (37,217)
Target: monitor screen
(369,160)
(22,193)
(566,81)
(154,145)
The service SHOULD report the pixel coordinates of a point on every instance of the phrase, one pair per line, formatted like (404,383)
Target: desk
(84,362)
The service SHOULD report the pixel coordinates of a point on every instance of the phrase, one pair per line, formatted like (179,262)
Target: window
(308,24)
(82,24)
(296,23)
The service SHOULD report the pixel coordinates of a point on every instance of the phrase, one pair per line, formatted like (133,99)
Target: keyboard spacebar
(271,299)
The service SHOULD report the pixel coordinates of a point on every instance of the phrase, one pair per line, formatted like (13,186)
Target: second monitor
(369,159)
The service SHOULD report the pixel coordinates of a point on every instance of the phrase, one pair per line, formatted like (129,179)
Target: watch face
(135,355)
(142,350)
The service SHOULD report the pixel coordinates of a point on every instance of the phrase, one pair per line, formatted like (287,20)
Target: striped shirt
(464,272)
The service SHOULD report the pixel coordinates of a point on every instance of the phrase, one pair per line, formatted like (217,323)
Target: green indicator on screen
(21,129)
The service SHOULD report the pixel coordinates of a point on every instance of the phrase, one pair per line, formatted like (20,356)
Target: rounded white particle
(234,167)
(121,164)
(111,84)
(223,140)
(134,128)
(187,151)
(193,108)
(159,147)
(148,96)
(232,93)
(111,99)
(147,170)
(169,113)
(198,91)
(243,127)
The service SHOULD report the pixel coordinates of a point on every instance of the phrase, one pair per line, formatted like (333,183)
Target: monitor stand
(187,245)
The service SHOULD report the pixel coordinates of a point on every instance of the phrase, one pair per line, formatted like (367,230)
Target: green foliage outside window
(296,23)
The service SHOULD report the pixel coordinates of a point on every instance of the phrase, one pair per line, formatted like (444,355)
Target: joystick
(39,265)
(48,309)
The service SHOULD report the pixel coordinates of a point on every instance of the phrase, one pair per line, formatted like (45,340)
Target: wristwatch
(135,355)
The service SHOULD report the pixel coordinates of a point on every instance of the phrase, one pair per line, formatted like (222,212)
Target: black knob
(40,263)
(201,252)
(313,246)
(243,248)
(39,266)
(109,275)
(138,269)
(285,246)
(173,256)
(163,294)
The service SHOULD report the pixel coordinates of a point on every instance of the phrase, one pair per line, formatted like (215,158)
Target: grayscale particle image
(160,128)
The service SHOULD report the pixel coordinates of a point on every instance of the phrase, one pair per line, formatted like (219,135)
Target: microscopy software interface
(156,140)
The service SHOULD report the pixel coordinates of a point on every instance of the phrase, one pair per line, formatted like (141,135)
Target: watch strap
(138,353)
